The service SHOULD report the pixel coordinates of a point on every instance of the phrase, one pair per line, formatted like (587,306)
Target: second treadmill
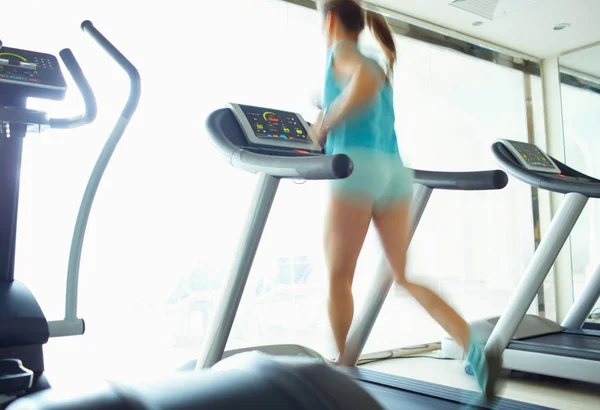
(530,343)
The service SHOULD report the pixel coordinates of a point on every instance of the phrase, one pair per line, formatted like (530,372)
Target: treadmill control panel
(35,74)
(275,124)
(272,128)
(534,167)
(531,157)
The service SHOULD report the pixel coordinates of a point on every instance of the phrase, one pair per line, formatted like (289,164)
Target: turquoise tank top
(372,127)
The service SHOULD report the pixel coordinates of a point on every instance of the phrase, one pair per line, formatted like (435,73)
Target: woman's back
(370,127)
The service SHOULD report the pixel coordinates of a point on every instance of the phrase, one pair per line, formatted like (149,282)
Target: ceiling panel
(522,25)
(585,61)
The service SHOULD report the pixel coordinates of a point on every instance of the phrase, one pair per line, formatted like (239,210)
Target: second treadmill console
(531,157)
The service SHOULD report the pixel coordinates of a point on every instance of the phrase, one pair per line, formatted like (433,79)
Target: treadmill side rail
(583,370)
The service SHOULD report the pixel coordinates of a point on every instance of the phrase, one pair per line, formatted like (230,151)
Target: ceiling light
(561,26)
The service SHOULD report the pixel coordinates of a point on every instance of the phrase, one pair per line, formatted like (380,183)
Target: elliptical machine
(23,327)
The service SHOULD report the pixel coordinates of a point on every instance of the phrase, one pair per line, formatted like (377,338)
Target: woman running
(357,119)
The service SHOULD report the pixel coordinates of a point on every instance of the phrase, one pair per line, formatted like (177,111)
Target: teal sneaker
(485,367)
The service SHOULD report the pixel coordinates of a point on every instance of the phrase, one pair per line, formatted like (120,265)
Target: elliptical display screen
(531,157)
(274,128)
(33,70)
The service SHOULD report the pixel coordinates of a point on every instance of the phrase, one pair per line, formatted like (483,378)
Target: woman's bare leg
(392,225)
(346,228)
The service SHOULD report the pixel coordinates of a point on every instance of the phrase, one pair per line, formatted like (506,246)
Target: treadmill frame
(572,368)
(501,339)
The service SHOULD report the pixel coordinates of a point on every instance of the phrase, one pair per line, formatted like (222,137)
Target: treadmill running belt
(402,393)
(576,344)
(591,325)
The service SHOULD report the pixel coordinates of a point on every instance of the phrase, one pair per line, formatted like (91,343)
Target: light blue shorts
(379,176)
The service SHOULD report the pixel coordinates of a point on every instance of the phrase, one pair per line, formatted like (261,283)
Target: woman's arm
(316,129)
(364,82)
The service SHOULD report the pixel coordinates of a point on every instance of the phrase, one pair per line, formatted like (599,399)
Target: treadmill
(277,144)
(530,343)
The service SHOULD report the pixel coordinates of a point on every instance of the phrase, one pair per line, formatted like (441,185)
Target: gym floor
(549,392)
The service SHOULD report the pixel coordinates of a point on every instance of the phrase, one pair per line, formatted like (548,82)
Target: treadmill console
(31,74)
(531,157)
(275,129)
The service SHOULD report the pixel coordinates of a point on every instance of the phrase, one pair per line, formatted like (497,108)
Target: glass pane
(581,116)
(537,98)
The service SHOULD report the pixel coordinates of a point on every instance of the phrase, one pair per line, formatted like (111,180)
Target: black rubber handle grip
(91,108)
(310,168)
(462,181)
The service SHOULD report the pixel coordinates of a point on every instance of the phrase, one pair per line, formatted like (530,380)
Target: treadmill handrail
(546,181)
(310,167)
(462,181)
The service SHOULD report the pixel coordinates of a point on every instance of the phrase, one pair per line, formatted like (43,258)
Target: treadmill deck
(395,392)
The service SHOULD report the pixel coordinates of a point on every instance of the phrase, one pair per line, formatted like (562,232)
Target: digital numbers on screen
(275,124)
(533,156)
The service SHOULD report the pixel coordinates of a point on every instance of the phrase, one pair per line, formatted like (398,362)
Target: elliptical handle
(132,72)
(91,108)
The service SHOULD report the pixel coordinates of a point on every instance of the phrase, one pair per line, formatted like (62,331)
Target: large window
(169,212)
(581,116)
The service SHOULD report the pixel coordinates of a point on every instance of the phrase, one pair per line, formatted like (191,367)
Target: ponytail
(383,34)
(354,18)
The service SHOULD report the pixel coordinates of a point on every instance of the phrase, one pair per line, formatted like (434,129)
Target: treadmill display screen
(274,124)
(532,155)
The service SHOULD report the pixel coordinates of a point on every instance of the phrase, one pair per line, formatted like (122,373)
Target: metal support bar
(555,143)
(83,216)
(230,299)
(11,151)
(535,203)
(582,307)
(381,286)
(536,272)
(64,328)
